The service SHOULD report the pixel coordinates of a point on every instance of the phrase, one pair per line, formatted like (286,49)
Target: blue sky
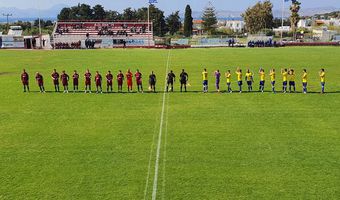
(167,5)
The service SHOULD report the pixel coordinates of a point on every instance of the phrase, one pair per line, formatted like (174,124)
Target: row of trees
(161,24)
(257,18)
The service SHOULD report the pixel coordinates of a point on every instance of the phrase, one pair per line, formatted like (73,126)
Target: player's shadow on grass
(178,92)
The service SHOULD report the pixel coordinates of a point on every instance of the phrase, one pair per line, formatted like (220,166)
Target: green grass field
(209,146)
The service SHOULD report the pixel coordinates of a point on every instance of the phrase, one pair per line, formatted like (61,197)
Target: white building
(333,22)
(323,35)
(15,31)
(328,22)
(304,23)
(336,38)
(235,25)
(284,29)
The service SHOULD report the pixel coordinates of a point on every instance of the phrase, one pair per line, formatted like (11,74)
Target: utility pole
(7,16)
(151,2)
(39,20)
(282,18)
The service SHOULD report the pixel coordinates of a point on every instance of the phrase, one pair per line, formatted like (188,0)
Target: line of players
(288,78)
(98,79)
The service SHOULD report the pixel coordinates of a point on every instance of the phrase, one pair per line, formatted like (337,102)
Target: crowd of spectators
(89,44)
(105,30)
(62,30)
(262,43)
(231,42)
(66,45)
(138,30)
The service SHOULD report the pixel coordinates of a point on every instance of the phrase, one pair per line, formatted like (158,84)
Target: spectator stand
(102,34)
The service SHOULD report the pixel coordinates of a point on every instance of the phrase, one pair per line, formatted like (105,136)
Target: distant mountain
(32,13)
(306,11)
(51,13)
(223,14)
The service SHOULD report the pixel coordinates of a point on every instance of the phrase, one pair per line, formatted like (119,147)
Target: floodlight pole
(149,25)
(7,16)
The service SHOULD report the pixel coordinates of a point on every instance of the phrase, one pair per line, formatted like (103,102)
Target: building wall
(235,25)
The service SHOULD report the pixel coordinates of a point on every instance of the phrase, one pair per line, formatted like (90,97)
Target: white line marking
(150,158)
(164,151)
(152,147)
(155,180)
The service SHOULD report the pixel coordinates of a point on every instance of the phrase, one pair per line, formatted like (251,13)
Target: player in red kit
(139,81)
(87,81)
(64,78)
(120,80)
(40,81)
(98,80)
(24,80)
(129,76)
(55,78)
(75,78)
(109,80)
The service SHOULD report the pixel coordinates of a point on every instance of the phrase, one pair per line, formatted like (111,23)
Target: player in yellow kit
(284,73)
(249,79)
(323,80)
(228,76)
(304,81)
(262,80)
(205,80)
(272,79)
(239,79)
(291,76)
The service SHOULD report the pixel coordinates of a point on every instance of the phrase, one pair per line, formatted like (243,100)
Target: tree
(129,14)
(43,23)
(142,13)
(209,18)
(259,17)
(48,23)
(156,16)
(113,15)
(159,25)
(64,14)
(188,21)
(74,12)
(294,17)
(99,12)
(173,23)
(85,11)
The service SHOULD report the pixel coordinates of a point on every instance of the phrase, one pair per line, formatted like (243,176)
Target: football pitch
(170,145)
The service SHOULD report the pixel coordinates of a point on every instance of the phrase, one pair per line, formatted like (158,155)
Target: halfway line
(155,180)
